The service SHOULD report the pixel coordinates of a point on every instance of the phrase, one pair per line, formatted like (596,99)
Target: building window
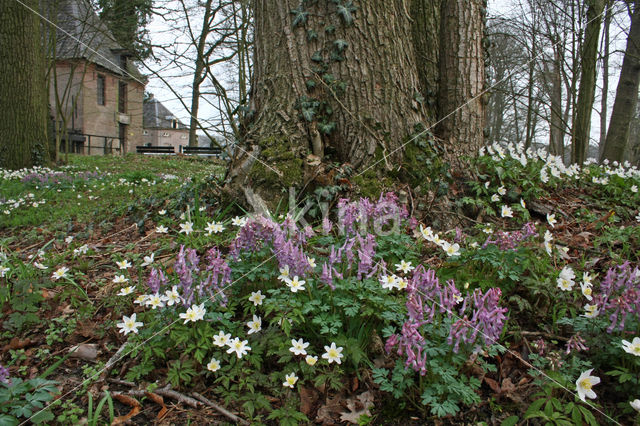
(165,134)
(145,132)
(183,137)
(174,124)
(101,89)
(122,97)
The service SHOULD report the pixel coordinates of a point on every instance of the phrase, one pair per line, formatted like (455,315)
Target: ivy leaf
(312,35)
(308,114)
(317,56)
(346,12)
(340,45)
(327,128)
(300,17)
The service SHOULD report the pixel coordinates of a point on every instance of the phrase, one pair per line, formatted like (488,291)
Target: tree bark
(426,16)
(556,134)
(605,78)
(23,100)
(461,108)
(586,93)
(331,81)
(626,100)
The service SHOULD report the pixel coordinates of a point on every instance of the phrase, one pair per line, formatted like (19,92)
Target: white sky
(159,33)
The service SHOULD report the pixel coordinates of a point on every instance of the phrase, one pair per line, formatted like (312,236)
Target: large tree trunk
(331,81)
(624,106)
(461,109)
(23,97)
(426,16)
(587,89)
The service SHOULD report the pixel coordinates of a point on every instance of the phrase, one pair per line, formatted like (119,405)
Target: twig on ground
(220,409)
(170,393)
(121,382)
(112,362)
(538,334)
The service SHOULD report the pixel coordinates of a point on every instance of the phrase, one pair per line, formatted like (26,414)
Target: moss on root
(281,156)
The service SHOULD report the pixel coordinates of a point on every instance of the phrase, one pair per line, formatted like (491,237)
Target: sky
(161,33)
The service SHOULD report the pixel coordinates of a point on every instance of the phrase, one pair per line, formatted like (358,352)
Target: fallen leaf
(308,400)
(492,384)
(331,407)
(358,407)
(160,401)
(131,402)
(507,385)
(86,351)
(16,343)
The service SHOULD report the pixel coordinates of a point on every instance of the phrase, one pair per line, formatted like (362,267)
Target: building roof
(157,116)
(80,34)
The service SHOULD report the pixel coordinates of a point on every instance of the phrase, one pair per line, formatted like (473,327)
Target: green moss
(280,155)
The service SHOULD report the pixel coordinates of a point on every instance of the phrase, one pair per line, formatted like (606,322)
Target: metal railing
(90,144)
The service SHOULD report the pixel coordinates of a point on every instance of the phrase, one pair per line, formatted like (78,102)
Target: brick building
(96,93)
(161,127)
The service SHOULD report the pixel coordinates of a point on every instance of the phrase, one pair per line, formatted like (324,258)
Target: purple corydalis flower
(4,375)
(218,275)
(327,275)
(576,343)
(156,280)
(619,295)
(285,238)
(186,269)
(510,240)
(479,313)
(327,226)
(365,212)
(366,252)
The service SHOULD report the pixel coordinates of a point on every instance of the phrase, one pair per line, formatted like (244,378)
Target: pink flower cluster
(510,240)
(478,313)
(619,295)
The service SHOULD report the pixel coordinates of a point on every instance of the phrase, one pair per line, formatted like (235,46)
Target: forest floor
(78,245)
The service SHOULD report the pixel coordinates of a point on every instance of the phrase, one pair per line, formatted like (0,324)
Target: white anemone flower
(584,385)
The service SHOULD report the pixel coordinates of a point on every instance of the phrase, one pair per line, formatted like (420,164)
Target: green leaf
(510,421)
(8,420)
(346,12)
(300,17)
(340,45)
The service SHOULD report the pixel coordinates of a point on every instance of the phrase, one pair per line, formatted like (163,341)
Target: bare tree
(626,94)
(586,93)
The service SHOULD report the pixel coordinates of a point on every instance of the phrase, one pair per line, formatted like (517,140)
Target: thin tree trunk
(556,136)
(530,87)
(460,106)
(626,94)
(199,74)
(605,78)
(586,93)
(23,99)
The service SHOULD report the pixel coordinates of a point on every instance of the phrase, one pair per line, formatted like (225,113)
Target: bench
(202,150)
(155,150)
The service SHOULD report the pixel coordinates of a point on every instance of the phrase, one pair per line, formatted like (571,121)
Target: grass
(104,210)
